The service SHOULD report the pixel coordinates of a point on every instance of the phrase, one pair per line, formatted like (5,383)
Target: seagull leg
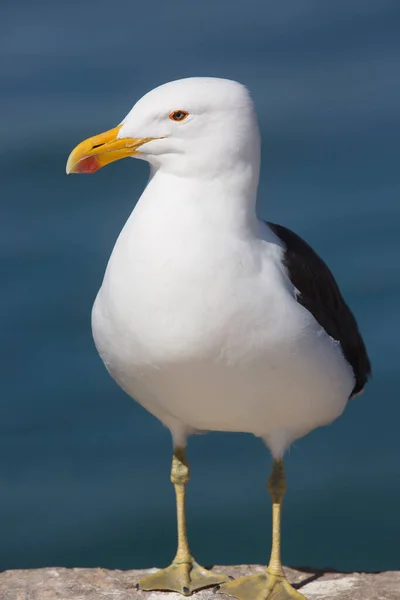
(184,575)
(272,584)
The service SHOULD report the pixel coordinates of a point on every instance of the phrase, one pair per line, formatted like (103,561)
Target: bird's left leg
(272,584)
(184,575)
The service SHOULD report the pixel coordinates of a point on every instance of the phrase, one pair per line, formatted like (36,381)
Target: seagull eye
(178,115)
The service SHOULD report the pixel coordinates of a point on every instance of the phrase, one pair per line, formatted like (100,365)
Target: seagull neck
(229,198)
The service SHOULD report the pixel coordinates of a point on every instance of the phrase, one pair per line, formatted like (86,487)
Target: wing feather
(320,294)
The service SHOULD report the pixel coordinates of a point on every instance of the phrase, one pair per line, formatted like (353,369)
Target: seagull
(210,318)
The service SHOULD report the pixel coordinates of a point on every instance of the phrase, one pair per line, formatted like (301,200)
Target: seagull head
(187,127)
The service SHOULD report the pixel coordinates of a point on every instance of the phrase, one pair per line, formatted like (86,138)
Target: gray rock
(103,584)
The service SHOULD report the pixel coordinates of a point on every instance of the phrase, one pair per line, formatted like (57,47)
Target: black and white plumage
(210,318)
(319,293)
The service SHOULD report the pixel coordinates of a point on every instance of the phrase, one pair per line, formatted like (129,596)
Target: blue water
(84,471)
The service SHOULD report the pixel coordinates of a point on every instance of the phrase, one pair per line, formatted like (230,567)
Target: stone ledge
(103,584)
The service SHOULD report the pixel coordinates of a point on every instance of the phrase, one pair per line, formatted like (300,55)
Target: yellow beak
(100,150)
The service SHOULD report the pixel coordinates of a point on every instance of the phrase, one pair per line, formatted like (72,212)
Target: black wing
(319,293)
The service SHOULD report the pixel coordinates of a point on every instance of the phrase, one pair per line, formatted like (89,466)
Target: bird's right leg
(272,584)
(184,575)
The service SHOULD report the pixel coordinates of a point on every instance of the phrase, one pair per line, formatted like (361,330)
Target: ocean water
(84,471)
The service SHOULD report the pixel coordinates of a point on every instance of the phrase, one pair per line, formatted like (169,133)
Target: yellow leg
(184,575)
(271,585)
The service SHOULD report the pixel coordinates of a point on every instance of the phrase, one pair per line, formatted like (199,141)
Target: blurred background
(84,471)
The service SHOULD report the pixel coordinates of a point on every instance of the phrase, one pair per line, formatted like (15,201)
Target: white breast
(201,326)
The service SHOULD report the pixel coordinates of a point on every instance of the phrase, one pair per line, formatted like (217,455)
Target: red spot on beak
(87,165)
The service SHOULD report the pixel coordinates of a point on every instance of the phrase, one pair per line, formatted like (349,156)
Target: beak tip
(69,167)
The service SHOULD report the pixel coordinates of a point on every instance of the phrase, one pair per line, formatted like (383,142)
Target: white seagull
(210,318)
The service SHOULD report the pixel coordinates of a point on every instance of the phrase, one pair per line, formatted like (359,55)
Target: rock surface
(103,584)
